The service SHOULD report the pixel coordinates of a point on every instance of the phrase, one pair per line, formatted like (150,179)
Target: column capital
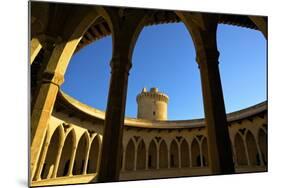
(52,77)
(208,56)
(120,63)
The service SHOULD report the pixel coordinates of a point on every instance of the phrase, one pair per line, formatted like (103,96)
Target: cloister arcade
(73,143)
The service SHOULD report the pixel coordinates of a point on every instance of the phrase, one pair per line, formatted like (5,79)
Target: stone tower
(152,104)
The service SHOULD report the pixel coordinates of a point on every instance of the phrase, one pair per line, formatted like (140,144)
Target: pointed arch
(67,150)
(205,157)
(254,157)
(52,153)
(81,154)
(241,158)
(163,155)
(195,153)
(152,155)
(262,139)
(141,155)
(174,155)
(130,155)
(94,155)
(184,154)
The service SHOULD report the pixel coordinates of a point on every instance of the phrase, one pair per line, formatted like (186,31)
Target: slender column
(157,157)
(109,168)
(246,151)
(169,157)
(86,160)
(215,117)
(201,154)
(72,159)
(190,155)
(41,163)
(179,155)
(54,175)
(146,158)
(135,159)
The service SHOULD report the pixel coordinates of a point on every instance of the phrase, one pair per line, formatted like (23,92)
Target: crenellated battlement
(153,94)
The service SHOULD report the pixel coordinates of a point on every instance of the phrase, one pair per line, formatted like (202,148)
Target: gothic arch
(130,155)
(195,153)
(184,154)
(81,154)
(52,153)
(141,155)
(174,155)
(66,154)
(94,155)
(163,155)
(253,154)
(262,140)
(241,158)
(152,155)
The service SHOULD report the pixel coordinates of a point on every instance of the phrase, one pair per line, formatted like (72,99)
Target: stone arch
(130,155)
(195,153)
(174,155)
(141,155)
(184,154)
(241,158)
(94,155)
(66,154)
(152,155)
(163,155)
(253,154)
(64,50)
(205,157)
(52,153)
(262,141)
(81,154)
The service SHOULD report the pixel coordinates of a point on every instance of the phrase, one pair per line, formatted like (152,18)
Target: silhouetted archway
(174,155)
(81,154)
(252,149)
(93,156)
(152,155)
(263,145)
(184,154)
(130,156)
(241,158)
(195,152)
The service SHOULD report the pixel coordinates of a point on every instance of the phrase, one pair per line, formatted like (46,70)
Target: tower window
(154,113)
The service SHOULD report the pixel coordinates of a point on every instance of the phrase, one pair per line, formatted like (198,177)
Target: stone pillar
(86,160)
(41,163)
(54,175)
(135,158)
(179,155)
(109,168)
(215,116)
(169,156)
(72,159)
(146,158)
(41,113)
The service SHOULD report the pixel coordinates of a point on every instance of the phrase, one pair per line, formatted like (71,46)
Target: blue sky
(164,57)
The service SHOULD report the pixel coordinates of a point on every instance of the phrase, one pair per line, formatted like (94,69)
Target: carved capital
(53,77)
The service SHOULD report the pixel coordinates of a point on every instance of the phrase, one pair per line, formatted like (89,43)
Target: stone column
(54,175)
(86,160)
(41,163)
(215,116)
(179,155)
(146,158)
(72,159)
(135,159)
(109,168)
(41,113)
(169,157)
